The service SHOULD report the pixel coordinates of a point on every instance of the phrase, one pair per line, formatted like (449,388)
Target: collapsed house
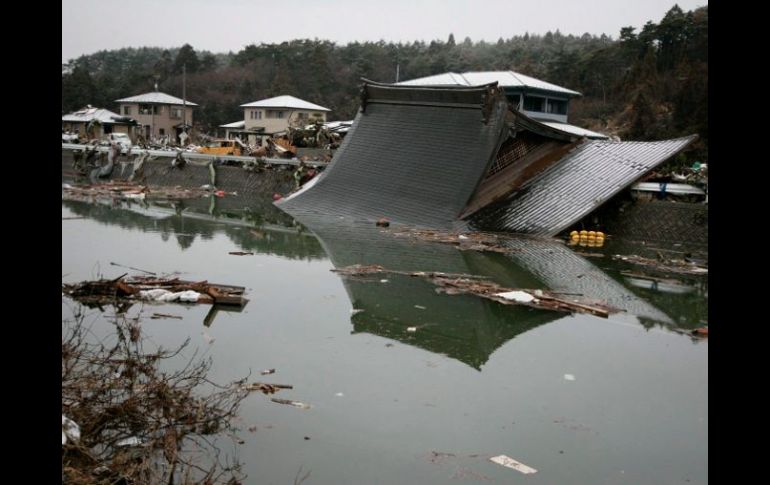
(464,158)
(90,122)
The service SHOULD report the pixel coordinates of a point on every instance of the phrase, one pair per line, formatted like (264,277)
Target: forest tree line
(645,85)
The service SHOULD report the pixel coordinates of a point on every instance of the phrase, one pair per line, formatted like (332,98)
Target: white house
(540,100)
(269,116)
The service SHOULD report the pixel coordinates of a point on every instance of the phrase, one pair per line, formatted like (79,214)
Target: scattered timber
(131,191)
(456,284)
(471,241)
(154,289)
(663,265)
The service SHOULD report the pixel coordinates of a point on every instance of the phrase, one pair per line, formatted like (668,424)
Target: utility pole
(152,112)
(184,96)
(397,68)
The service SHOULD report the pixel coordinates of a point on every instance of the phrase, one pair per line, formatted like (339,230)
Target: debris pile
(456,284)
(130,191)
(471,241)
(664,265)
(151,288)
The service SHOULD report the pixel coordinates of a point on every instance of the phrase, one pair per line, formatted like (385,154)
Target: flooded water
(410,386)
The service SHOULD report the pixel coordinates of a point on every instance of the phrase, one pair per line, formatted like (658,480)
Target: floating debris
(131,267)
(411,329)
(267,371)
(266,388)
(130,191)
(569,377)
(519,296)
(154,289)
(159,294)
(509,462)
(289,402)
(241,253)
(664,265)
(456,284)
(471,241)
(156,316)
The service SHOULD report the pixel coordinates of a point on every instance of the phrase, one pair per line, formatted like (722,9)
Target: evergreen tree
(186,57)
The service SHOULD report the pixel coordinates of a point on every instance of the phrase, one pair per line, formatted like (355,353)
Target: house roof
(155,97)
(425,183)
(234,124)
(506,79)
(90,113)
(576,184)
(575,130)
(285,101)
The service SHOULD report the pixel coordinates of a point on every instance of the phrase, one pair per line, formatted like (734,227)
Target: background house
(540,100)
(91,123)
(159,114)
(274,115)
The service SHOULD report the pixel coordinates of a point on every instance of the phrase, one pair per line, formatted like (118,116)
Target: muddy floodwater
(406,385)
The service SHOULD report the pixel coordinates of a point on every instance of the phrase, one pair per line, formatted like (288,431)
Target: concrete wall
(665,221)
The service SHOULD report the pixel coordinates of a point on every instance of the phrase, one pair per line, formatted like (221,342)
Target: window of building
(162,131)
(176,113)
(515,100)
(302,116)
(557,106)
(149,109)
(126,110)
(534,103)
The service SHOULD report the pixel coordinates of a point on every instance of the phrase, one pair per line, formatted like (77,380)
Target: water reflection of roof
(465,328)
(563,270)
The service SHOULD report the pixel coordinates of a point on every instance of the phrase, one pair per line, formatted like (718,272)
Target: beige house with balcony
(274,115)
(158,114)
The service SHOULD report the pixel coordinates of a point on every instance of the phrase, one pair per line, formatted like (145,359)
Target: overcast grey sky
(89,26)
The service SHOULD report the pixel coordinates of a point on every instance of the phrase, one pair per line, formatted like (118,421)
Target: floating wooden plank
(509,462)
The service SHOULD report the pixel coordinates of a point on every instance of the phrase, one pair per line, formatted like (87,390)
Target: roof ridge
(462,76)
(516,75)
